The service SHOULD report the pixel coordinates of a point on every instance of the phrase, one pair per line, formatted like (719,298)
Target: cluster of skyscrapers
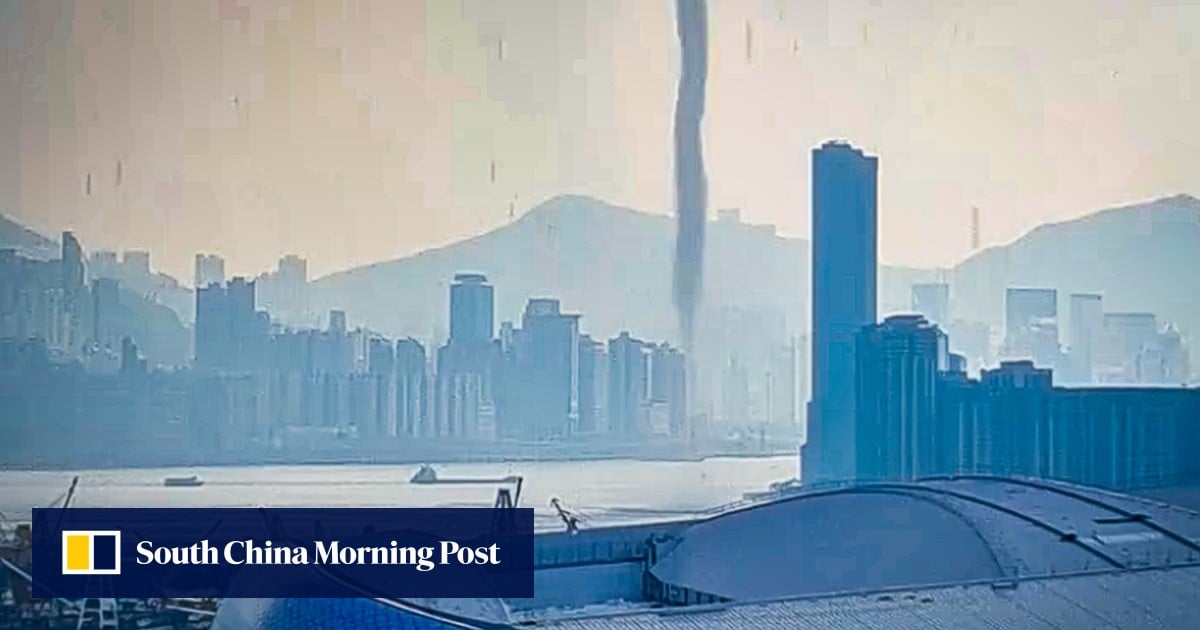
(254,386)
(1103,347)
(920,415)
(891,402)
(49,306)
(542,380)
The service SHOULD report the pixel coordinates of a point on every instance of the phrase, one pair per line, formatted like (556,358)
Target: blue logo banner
(293,552)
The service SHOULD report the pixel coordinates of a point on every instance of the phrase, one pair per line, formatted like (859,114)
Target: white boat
(190,481)
(427,475)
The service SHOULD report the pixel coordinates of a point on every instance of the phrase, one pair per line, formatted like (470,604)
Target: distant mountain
(1142,257)
(613,264)
(610,263)
(157,329)
(28,243)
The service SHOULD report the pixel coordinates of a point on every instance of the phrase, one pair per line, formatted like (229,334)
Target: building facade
(844,253)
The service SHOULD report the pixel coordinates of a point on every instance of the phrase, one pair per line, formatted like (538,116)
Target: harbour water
(603,491)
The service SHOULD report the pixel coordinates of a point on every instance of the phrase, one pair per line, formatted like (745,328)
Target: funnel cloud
(691,187)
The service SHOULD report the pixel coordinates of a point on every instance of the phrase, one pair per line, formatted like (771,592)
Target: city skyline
(715,314)
(393,193)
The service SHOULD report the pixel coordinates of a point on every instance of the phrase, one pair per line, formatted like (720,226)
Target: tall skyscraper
(411,400)
(933,301)
(668,387)
(844,250)
(464,402)
(899,362)
(472,302)
(628,380)
(593,385)
(548,366)
(1086,329)
(381,365)
(1031,326)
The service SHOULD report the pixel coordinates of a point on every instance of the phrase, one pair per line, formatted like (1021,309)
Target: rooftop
(963,552)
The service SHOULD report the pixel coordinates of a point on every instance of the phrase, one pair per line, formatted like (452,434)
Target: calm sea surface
(603,491)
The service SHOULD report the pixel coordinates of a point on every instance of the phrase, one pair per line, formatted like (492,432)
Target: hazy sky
(350,132)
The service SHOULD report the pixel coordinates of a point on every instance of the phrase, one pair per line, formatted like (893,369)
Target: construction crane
(569,518)
(66,497)
(506,499)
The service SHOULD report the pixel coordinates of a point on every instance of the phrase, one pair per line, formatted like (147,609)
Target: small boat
(191,481)
(427,475)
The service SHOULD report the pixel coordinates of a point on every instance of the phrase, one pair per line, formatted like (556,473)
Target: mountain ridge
(27,242)
(612,263)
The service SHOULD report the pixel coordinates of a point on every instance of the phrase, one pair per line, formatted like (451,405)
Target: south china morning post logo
(91,552)
(282,552)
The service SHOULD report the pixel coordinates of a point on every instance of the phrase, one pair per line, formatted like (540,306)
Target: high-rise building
(628,380)
(411,400)
(284,292)
(464,400)
(213,339)
(933,301)
(381,366)
(593,386)
(74,275)
(1086,334)
(844,251)
(1127,337)
(1121,437)
(293,269)
(464,406)
(1015,422)
(543,386)
(210,269)
(1176,361)
(1011,432)
(782,384)
(972,340)
(106,316)
(230,334)
(1031,326)
(472,302)
(899,362)
(737,408)
(668,387)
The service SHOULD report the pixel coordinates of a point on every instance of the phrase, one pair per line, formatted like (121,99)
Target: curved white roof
(943,531)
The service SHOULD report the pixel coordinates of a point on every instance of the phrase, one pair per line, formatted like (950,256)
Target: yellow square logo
(91,552)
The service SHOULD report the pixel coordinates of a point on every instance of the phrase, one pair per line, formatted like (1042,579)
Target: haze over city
(356,132)
(681,314)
